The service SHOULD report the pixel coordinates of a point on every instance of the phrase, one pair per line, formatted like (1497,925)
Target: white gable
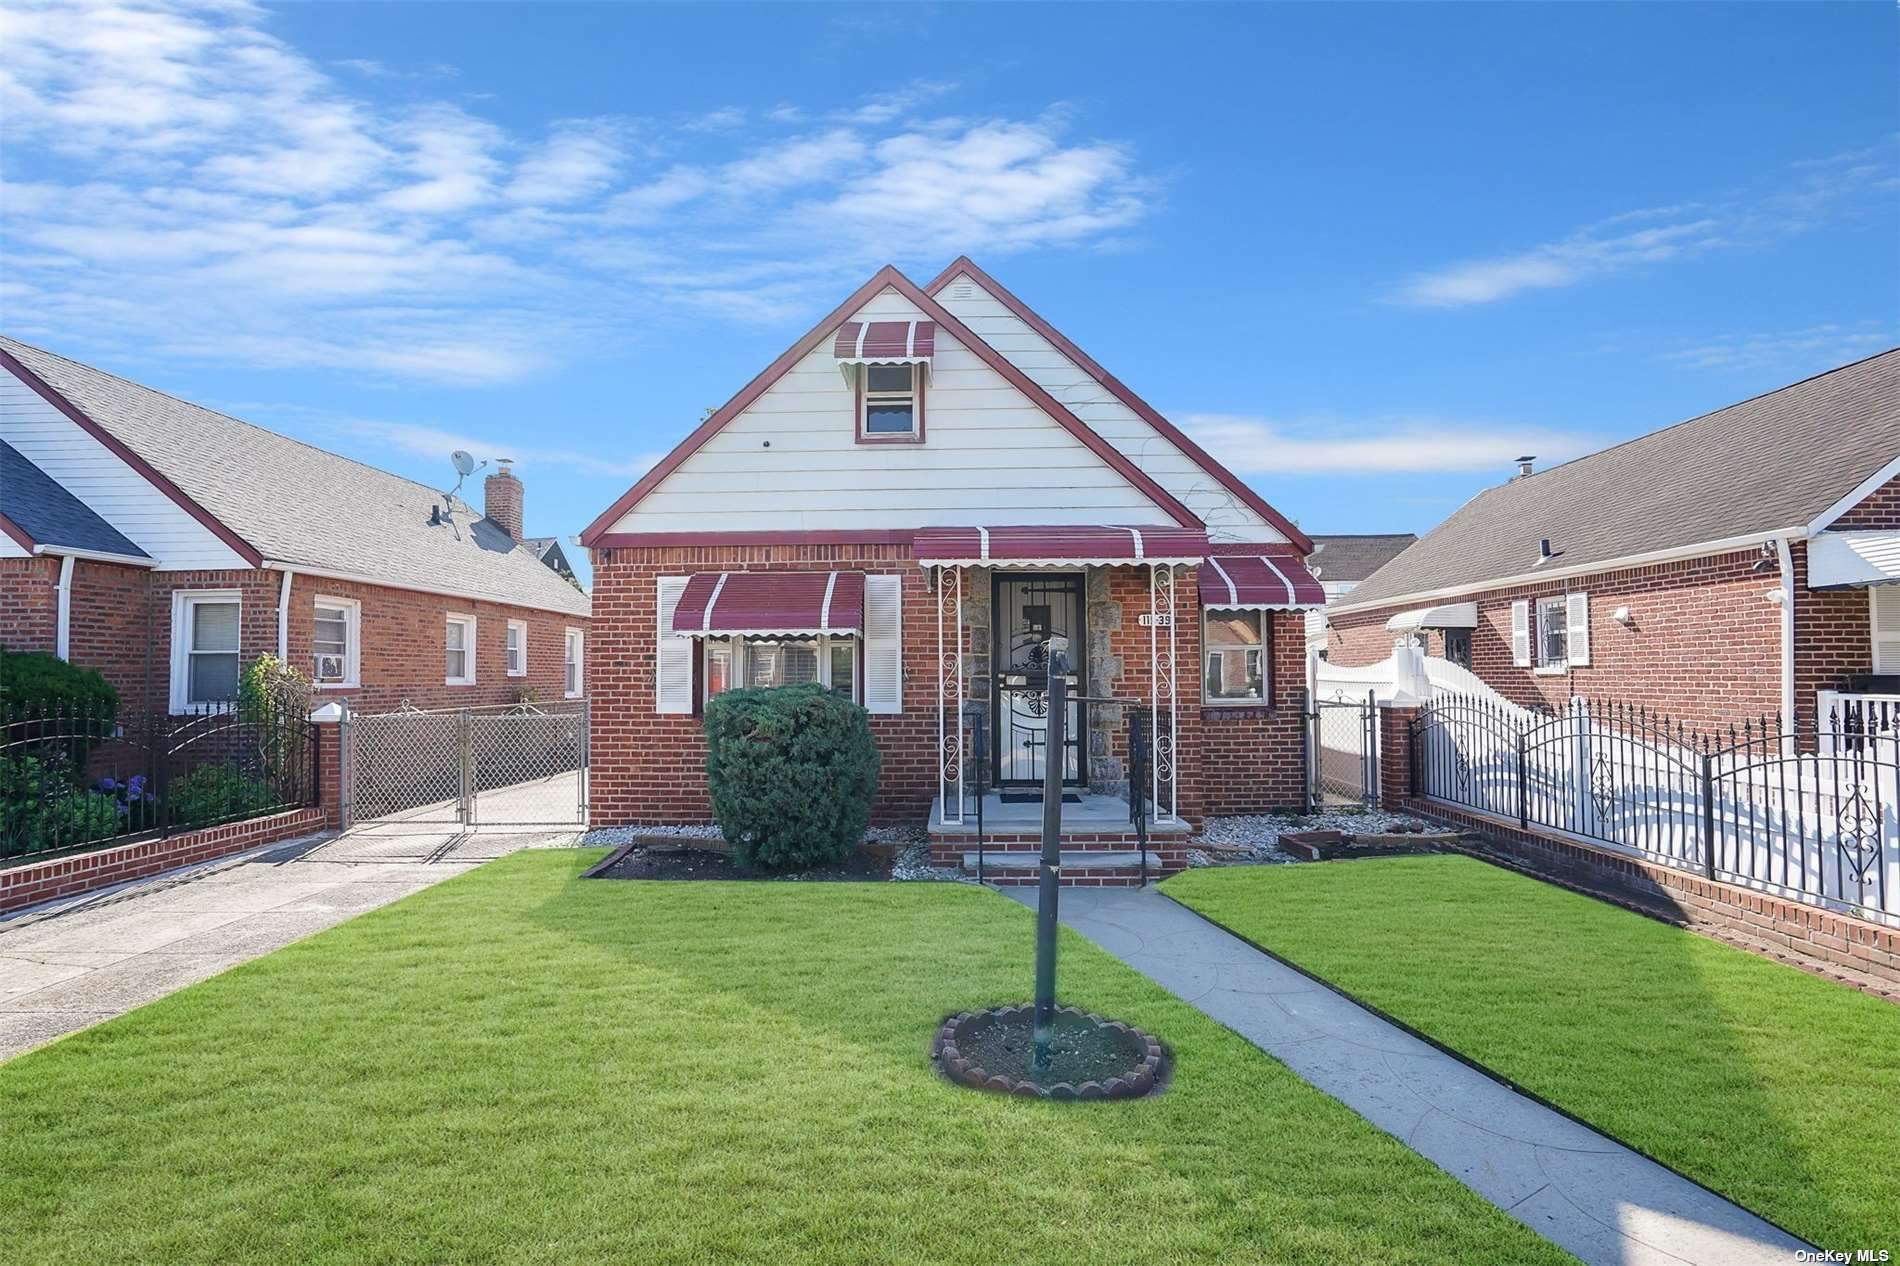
(1228,518)
(99,478)
(10,548)
(790,461)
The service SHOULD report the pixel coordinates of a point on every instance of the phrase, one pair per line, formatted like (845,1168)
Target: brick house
(167,545)
(1339,563)
(1737,565)
(907,505)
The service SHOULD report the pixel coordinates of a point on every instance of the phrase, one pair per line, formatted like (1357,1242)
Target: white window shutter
(1521,633)
(884,644)
(673,660)
(1886,620)
(1577,641)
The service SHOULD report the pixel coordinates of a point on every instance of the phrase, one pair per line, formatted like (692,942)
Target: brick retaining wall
(26,885)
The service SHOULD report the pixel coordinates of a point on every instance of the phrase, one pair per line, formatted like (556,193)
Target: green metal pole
(1053,759)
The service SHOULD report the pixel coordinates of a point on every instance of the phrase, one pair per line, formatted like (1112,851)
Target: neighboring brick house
(905,506)
(167,545)
(1734,566)
(1341,562)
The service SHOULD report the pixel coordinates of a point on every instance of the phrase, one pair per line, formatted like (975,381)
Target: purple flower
(107,784)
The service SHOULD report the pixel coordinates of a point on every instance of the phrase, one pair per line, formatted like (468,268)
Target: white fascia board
(383,582)
(1866,489)
(1702,549)
(94,555)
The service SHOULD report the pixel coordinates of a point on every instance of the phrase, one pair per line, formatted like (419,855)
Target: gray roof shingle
(1355,557)
(45,511)
(1775,461)
(304,506)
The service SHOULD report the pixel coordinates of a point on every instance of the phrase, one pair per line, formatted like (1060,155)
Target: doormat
(1035,797)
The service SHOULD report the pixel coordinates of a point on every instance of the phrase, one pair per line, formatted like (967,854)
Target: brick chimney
(501,499)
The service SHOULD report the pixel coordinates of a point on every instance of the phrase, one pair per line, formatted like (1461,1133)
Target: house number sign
(1157,619)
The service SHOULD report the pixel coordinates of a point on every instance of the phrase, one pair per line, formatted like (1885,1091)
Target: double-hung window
(459,651)
(573,677)
(1553,634)
(335,642)
(891,404)
(205,624)
(729,662)
(1234,657)
(517,646)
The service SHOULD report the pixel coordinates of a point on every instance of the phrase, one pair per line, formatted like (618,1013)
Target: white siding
(10,548)
(790,461)
(115,492)
(1227,517)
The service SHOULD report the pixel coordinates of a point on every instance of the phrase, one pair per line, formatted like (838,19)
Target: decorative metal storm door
(1028,610)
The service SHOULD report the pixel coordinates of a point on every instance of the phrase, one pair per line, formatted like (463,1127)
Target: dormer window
(888,362)
(890,404)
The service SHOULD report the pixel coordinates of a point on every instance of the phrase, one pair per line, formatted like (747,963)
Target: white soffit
(1853,558)
(1451,615)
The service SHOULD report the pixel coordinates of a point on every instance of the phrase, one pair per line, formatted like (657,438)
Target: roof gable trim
(144,468)
(887,277)
(1142,409)
(1872,484)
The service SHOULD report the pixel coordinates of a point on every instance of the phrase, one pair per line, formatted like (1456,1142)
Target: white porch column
(950,694)
(1161,690)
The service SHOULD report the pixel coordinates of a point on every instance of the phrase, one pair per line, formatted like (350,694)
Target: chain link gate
(505,766)
(1342,758)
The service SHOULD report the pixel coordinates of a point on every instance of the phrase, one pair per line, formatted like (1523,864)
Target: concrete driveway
(68,964)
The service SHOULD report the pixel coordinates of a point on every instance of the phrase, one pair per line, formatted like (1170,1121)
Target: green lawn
(521,1066)
(1773,1087)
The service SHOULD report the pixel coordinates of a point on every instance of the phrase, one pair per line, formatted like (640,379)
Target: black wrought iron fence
(77,777)
(1811,811)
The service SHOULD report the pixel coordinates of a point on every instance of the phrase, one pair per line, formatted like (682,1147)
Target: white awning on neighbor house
(1452,615)
(1836,559)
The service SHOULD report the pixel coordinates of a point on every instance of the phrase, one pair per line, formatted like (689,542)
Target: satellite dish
(464,464)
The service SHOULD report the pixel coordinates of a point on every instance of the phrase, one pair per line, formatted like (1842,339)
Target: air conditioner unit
(329,668)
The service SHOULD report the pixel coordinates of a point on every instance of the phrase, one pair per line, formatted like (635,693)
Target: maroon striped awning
(885,342)
(1052,546)
(1274,578)
(807,603)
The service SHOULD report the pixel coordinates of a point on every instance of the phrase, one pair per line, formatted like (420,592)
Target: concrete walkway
(1568,1183)
(69,964)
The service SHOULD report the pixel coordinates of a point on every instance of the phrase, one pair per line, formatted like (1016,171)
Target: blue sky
(1366,253)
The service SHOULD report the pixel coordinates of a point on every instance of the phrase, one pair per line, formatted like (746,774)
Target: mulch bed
(638,861)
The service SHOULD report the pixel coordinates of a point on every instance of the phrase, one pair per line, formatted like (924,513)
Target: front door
(1028,610)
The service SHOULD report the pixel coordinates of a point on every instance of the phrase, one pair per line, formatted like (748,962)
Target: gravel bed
(618,835)
(1253,839)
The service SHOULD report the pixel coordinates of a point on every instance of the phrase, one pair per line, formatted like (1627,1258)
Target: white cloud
(430,441)
(1812,347)
(1407,444)
(1812,192)
(183,180)
(579,160)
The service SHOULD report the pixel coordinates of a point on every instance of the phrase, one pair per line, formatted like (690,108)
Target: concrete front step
(1094,868)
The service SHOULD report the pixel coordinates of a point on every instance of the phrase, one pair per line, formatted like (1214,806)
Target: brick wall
(1704,645)
(29,607)
(122,626)
(113,630)
(1252,757)
(649,768)
(404,656)
(1879,510)
(34,882)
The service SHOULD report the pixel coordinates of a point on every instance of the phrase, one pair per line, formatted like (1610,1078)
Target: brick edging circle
(1145,1078)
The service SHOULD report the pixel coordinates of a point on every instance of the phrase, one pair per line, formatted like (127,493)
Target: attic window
(890,404)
